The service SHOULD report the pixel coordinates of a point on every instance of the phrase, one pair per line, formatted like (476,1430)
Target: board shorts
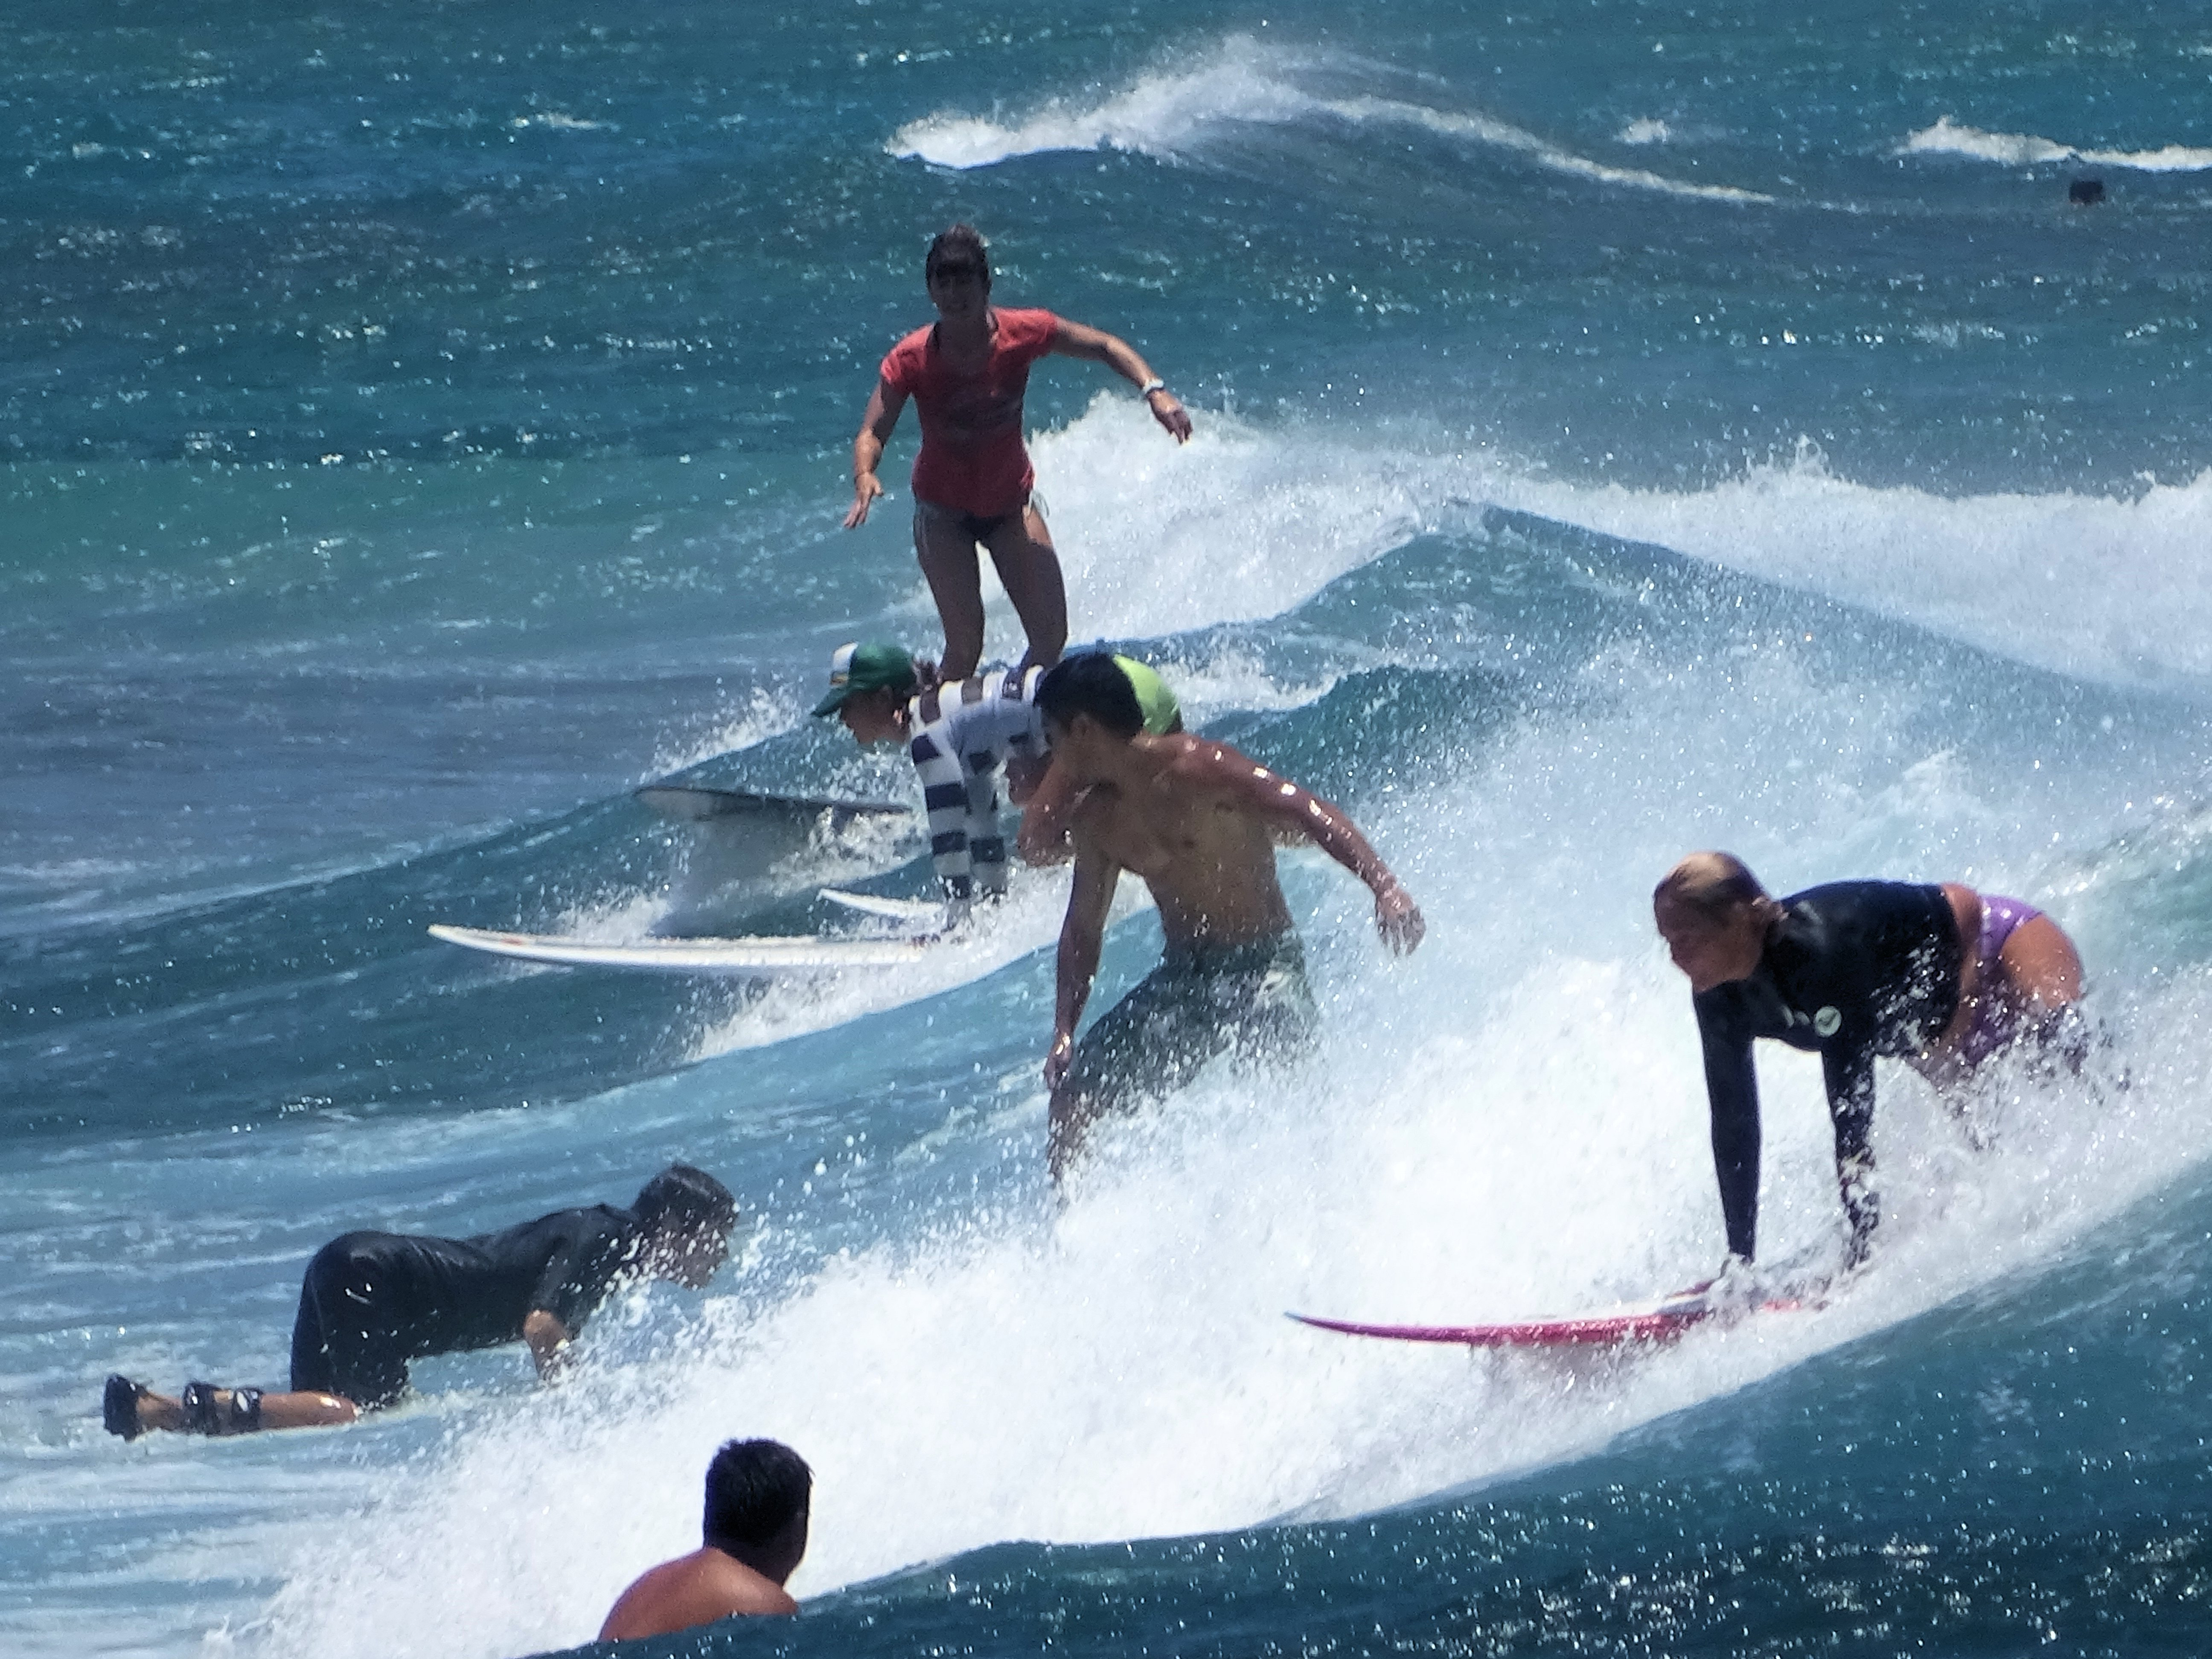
(351,1336)
(1249,1001)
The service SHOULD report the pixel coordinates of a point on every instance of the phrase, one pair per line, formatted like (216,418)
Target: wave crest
(2016,149)
(1166,115)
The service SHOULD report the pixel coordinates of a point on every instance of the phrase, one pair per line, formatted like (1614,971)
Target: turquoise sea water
(1622,428)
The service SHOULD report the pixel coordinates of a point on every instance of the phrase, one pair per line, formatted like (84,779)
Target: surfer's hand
(1397,918)
(1167,409)
(1058,1059)
(865,488)
(548,1343)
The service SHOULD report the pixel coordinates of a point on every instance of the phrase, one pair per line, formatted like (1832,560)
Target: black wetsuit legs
(349,1338)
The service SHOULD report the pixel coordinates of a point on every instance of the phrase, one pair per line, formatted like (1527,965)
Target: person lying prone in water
(1941,977)
(371,1302)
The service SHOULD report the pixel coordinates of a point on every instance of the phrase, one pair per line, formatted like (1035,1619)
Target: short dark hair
(1090,683)
(754,1488)
(681,1199)
(958,252)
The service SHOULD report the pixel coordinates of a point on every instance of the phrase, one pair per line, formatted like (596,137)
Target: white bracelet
(1151,386)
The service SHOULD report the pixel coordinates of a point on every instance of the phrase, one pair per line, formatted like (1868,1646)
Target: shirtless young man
(1197,821)
(759,1495)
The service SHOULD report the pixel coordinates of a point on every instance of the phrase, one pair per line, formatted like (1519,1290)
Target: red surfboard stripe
(1597,1331)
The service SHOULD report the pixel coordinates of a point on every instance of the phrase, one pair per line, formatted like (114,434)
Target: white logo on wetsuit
(1828,1021)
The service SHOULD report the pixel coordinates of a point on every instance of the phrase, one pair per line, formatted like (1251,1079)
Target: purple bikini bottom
(1995,1019)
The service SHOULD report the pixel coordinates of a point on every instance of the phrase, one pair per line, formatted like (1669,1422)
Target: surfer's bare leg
(242,1411)
(1029,569)
(306,1409)
(947,554)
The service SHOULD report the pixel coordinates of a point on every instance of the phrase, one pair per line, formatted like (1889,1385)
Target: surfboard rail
(1648,1322)
(762,957)
(692,804)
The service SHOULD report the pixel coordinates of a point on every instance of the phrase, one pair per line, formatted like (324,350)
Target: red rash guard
(972,459)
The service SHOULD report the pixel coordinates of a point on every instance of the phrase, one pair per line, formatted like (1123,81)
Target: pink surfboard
(1648,1321)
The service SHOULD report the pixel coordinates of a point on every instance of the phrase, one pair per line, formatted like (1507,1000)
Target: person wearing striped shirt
(961,736)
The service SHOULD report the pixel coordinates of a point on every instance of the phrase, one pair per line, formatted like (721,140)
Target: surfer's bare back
(1199,823)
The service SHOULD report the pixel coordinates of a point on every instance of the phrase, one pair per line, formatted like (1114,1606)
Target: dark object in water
(2086,193)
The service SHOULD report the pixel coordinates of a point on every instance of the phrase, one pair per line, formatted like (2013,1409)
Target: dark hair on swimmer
(1090,683)
(958,252)
(681,1199)
(754,1488)
(1710,885)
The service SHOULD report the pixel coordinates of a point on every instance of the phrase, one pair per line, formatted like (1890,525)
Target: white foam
(1160,115)
(1157,537)
(1129,1375)
(1026,921)
(1168,115)
(1124,1371)
(621,917)
(2097,586)
(742,720)
(1211,682)
(1506,135)
(1245,522)
(1645,130)
(2018,149)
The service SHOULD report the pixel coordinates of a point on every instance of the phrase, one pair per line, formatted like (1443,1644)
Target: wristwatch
(1152,386)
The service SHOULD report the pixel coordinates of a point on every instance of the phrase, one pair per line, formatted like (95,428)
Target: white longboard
(739,958)
(924,913)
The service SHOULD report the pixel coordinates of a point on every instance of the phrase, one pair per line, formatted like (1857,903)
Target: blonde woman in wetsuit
(967,373)
(1941,977)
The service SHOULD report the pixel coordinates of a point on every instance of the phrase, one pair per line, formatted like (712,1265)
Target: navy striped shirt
(963,735)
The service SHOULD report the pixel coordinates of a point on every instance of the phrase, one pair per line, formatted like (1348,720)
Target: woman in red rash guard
(967,373)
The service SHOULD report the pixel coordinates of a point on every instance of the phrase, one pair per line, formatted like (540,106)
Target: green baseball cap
(876,667)
(1163,715)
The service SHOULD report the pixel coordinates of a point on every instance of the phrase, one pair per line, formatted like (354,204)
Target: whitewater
(1616,435)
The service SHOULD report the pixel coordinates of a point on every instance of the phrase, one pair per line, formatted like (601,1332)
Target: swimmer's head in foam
(757,1491)
(686,1216)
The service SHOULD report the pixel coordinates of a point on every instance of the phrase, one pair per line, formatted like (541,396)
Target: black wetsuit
(1853,969)
(371,1302)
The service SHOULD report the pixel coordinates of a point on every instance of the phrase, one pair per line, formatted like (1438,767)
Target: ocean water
(1622,428)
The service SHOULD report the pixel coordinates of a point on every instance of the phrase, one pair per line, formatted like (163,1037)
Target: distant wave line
(1507,136)
(1946,137)
(1164,115)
